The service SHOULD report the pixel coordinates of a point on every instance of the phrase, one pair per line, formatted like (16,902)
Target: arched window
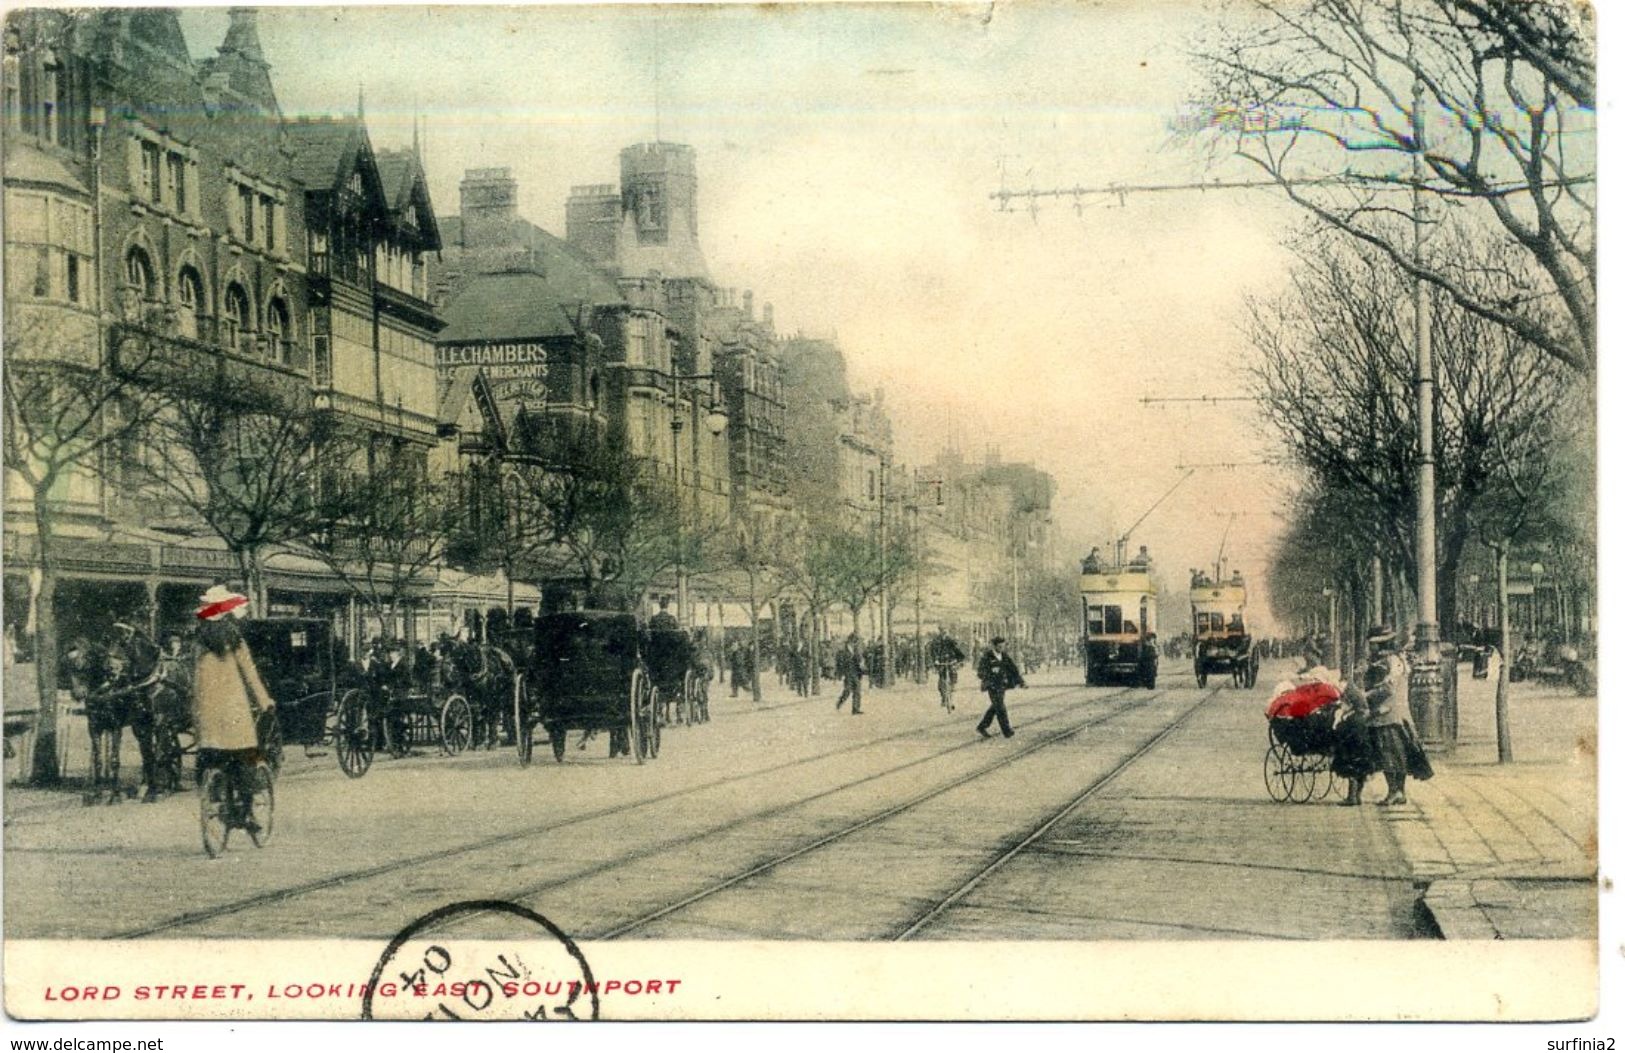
(189,302)
(279,328)
(592,389)
(237,321)
(139,275)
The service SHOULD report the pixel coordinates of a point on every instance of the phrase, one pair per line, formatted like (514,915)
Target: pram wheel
(1304,778)
(1278,776)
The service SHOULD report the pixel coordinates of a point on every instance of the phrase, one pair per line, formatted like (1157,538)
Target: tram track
(947,903)
(757,870)
(279,896)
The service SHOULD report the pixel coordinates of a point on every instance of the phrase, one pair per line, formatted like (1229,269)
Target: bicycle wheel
(1278,776)
(214,799)
(261,805)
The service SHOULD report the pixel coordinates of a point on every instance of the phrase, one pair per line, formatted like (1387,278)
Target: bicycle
(225,807)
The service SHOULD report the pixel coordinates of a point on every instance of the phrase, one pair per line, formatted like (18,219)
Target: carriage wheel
(261,805)
(1201,674)
(638,696)
(1252,672)
(456,725)
(353,734)
(214,797)
(1278,778)
(268,730)
(522,727)
(649,729)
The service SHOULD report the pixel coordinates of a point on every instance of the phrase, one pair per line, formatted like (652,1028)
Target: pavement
(1508,851)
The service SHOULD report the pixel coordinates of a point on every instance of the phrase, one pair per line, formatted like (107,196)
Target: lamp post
(716,420)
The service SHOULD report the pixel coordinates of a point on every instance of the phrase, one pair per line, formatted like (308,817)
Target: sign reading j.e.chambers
(499,360)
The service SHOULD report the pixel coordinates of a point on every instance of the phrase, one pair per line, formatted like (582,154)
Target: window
(245,213)
(277,327)
(51,100)
(177,182)
(42,273)
(1105,620)
(151,172)
(75,290)
(139,275)
(237,322)
(268,219)
(14,80)
(189,300)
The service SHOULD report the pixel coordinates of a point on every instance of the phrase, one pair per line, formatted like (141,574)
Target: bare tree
(245,462)
(379,530)
(1333,355)
(67,413)
(757,554)
(1493,99)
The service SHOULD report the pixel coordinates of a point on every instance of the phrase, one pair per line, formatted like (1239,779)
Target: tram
(1219,630)
(1119,639)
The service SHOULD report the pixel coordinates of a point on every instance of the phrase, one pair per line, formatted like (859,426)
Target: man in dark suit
(849,667)
(998,673)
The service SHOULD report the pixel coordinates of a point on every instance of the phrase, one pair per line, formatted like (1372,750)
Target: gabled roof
(407,188)
(327,149)
(513,305)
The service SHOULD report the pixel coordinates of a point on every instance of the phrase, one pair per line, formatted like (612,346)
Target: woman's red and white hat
(220,601)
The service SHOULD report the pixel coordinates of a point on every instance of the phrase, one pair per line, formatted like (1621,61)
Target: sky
(846,156)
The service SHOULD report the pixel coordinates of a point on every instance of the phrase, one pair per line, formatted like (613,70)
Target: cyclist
(947,657)
(226,690)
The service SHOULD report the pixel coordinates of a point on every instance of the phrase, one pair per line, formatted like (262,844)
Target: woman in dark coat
(1352,757)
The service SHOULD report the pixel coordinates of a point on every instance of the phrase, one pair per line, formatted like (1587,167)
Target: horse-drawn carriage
(322,700)
(680,676)
(587,672)
(417,703)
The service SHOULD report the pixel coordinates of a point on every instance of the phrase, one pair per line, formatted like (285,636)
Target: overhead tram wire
(1374,182)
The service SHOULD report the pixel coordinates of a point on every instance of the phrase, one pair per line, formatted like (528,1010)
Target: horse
(487,676)
(126,684)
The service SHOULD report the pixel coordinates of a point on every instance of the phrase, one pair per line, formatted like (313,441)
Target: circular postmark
(530,970)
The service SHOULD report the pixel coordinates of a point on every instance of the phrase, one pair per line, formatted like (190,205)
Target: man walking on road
(998,673)
(849,666)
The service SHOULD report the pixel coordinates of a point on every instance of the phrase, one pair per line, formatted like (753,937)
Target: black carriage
(418,704)
(587,673)
(681,679)
(321,700)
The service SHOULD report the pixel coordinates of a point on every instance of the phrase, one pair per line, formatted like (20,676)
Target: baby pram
(1298,766)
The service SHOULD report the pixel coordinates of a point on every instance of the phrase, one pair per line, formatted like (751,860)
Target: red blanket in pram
(1303,700)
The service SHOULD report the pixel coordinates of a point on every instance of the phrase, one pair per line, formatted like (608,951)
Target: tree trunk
(1503,728)
(248,561)
(45,770)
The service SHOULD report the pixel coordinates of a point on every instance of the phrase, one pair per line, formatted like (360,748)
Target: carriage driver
(227,688)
